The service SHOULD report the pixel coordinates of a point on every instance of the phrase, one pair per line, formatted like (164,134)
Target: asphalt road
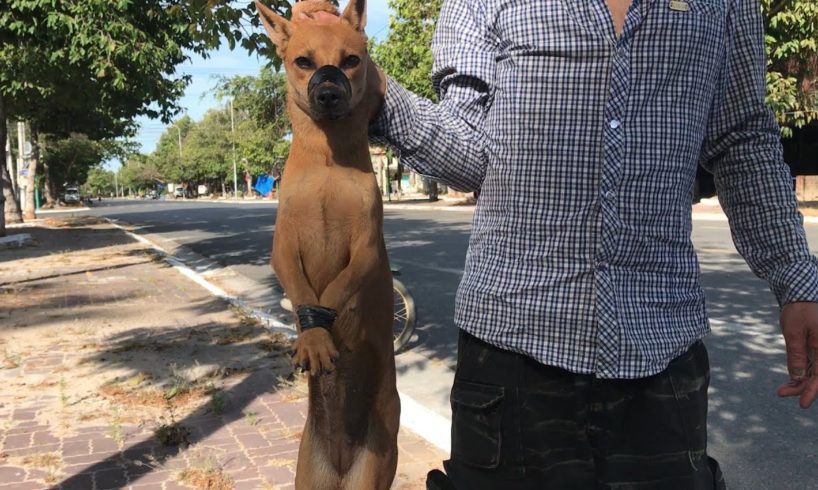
(762,442)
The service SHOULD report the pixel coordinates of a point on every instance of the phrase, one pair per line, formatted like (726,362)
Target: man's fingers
(797,353)
(810,392)
(793,388)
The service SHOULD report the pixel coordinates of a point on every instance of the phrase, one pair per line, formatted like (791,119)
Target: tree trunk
(8,200)
(48,185)
(32,174)
(4,134)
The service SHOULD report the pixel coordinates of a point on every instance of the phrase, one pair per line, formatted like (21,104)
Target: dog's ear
(278,28)
(355,14)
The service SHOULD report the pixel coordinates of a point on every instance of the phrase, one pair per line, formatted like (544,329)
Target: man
(582,123)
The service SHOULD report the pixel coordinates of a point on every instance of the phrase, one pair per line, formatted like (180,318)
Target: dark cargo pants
(517,424)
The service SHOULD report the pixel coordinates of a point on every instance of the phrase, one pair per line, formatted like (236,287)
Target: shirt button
(601,266)
(608,194)
(614,123)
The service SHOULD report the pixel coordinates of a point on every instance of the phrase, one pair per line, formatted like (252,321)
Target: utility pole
(116,183)
(179,134)
(21,156)
(10,165)
(235,173)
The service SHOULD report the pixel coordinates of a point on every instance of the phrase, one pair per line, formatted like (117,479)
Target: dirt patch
(93,326)
(205,473)
(75,222)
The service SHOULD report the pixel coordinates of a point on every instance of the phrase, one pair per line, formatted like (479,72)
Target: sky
(198,99)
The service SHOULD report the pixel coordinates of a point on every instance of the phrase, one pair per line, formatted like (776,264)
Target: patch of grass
(251,418)
(206,474)
(127,393)
(237,333)
(115,428)
(172,434)
(63,394)
(139,378)
(11,360)
(42,460)
(50,462)
(217,401)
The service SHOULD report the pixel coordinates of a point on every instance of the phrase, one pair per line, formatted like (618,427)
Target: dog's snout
(328,97)
(329,91)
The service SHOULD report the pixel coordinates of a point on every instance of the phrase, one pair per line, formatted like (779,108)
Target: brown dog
(329,252)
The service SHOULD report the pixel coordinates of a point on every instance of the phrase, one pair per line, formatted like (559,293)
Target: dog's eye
(303,63)
(350,62)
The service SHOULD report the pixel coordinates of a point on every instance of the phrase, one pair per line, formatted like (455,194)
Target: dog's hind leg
(371,471)
(314,471)
(375,465)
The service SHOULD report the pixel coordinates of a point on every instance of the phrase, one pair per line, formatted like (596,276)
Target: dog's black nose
(328,97)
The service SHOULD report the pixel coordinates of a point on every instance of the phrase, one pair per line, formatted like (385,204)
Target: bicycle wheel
(403,323)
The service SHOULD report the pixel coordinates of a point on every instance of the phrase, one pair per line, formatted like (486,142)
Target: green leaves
(792,51)
(406,53)
(114,59)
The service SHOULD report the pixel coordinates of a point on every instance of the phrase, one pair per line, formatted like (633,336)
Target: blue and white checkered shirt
(585,146)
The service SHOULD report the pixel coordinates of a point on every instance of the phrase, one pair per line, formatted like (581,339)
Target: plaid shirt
(584,146)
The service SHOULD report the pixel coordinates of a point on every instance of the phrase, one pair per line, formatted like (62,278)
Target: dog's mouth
(329,92)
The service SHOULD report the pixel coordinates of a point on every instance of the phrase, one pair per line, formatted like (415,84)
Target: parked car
(71,195)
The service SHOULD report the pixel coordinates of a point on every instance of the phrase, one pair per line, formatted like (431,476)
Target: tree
(139,172)
(406,54)
(791,28)
(97,64)
(260,112)
(169,156)
(99,182)
(70,159)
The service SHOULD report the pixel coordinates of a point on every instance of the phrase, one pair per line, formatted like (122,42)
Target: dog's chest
(332,203)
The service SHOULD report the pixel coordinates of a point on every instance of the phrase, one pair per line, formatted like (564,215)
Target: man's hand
(799,324)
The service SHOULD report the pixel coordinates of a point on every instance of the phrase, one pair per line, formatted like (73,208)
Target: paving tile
(251,441)
(9,474)
(28,485)
(253,484)
(110,479)
(76,448)
(278,475)
(17,441)
(83,481)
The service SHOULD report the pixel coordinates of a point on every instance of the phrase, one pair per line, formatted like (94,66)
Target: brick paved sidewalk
(109,358)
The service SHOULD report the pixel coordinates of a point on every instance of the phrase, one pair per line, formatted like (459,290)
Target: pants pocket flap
(476,396)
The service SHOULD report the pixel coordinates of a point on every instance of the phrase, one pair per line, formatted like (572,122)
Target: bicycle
(404,320)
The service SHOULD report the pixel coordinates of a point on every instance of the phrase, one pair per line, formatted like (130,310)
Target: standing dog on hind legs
(329,252)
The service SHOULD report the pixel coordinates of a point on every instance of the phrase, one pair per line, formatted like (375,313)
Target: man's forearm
(432,139)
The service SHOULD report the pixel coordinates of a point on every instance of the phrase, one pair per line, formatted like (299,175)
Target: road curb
(267,320)
(424,422)
(60,211)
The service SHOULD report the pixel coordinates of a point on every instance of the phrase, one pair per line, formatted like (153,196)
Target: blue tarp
(264,184)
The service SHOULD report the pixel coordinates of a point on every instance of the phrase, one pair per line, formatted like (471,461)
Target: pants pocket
(477,413)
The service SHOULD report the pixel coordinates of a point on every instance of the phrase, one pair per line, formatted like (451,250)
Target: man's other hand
(799,324)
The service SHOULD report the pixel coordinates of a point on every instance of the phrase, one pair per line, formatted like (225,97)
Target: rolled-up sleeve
(743,151)
(446,141)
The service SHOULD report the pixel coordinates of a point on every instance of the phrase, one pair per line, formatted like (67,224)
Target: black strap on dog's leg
(314,316)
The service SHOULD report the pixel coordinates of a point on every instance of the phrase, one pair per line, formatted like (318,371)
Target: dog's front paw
(315,352)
